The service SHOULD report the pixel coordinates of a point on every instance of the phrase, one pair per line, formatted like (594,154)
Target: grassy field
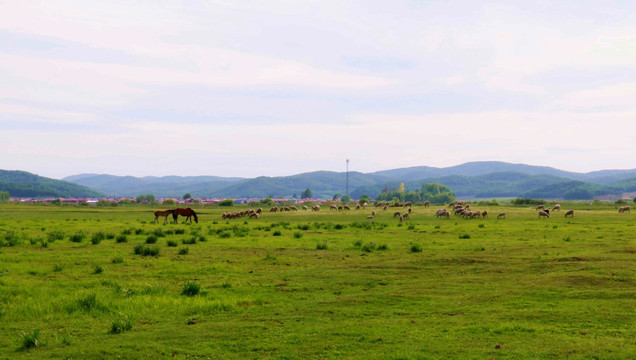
(86,283)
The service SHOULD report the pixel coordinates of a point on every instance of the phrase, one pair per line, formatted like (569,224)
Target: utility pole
(347,189)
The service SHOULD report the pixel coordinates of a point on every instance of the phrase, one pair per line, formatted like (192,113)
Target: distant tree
(226,202)
(168,202)
(306,194)
(294,196)
(401,188)
(187,196)
(196,201)
(148,198)
(105,203)
(620,202)
(267,202)
(335,196)
(56,202)
(634,200)
(4,196)
(364,199)
(345,199)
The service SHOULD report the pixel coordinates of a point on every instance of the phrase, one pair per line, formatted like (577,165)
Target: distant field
(84,283)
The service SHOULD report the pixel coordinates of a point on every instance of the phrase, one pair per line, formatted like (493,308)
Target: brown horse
(163,213)
(187,212)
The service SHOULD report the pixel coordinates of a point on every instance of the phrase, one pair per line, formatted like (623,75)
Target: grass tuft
(30,340)
(122,324)
(191,288)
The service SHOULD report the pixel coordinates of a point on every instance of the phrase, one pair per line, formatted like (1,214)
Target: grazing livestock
(346,207)
(569,213)
(370,217)
(163,213)
(305,208)
(358,207)
(333,207)
(484,214)
(625,209)
(408,203)
(255,215)
(396,214)
(385,207)
(405,215)
(410,210)
(556,207)
(427,204)
(187,212)
(540,207)
(475,214)
(544,214)
(401,218)
(501,215)
(259,210)
(293,208)
(315,208)
(364,205)
(373,212)
(274,209)
(442,213)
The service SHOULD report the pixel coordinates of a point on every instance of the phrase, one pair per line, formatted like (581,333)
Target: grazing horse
(187,212)
(569,213)
(163,213)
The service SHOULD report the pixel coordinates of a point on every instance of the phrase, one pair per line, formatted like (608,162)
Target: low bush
(416,248)
(121,238)
(152,239)
(184,251)
(321,246)
(191,288)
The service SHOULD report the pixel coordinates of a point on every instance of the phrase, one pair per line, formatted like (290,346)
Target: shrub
(139,231)
(121,238)
(58,268)
(383,247)
(464,236)
(152,239)
(183,251)
(158,233)
(277,233)
(321,246)
(77,238)
(120,325)
(527,201)
(225,234)
(303,227)
(298,235)
(190,241)
(369,247)
(97,238)
(98,269)
(110,236)
(146,251)
(416,248)
(179,231)
(172,243)
(118,260)
(31,340)
(339,226)
(127,231)
(481,225)
(191,288)
(357,243)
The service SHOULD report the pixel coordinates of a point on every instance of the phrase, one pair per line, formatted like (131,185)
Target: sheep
(427,204)
(293,208)
(373,212)
(556,207)
(625,209)
(405,215)
(484,214)
(408,203)
(501,215)
(255,215)
(370,217)
(569,213)
(315,208)
(333,207)
(410,210)
(358,207)
(259,210)
(305,207)
(346,207)
(540,207)
(544,214)
(364,205)
(396,214)
(274,209)
(385,207)
(476,214)
(401,218)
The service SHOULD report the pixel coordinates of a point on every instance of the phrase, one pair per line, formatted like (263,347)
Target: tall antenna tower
(347,189)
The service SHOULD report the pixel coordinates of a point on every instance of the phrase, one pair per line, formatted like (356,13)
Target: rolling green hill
(24,184)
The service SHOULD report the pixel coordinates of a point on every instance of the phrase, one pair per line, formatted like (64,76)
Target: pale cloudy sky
(250,88)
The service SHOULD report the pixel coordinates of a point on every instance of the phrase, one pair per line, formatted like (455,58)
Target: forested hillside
(25,184)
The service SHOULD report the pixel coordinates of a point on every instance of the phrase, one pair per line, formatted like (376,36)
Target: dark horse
(187,212)
(164,213)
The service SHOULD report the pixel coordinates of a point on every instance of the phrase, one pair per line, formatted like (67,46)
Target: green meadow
(104,283)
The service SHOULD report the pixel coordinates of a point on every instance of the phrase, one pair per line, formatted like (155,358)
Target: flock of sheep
(457,208)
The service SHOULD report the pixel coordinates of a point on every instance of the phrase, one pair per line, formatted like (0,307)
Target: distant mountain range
(484,179)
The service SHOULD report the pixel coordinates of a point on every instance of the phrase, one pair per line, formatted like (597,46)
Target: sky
(281,87)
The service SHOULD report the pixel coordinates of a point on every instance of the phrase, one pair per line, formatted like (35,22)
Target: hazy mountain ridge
(474,179)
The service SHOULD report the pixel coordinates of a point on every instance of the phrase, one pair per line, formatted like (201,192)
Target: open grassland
(87,283)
